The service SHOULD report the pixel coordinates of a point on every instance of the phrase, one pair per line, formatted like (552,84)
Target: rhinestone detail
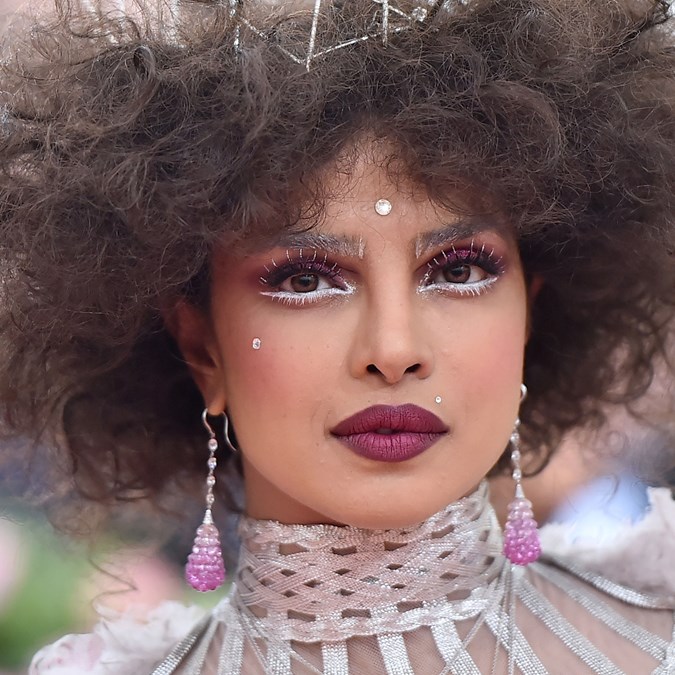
(383,207)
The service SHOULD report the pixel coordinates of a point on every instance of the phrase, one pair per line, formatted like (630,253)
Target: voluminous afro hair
(131,145)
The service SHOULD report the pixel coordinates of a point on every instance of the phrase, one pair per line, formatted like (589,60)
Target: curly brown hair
(128,150)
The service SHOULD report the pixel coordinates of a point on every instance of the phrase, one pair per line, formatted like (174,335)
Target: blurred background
(7,7)
(50,586)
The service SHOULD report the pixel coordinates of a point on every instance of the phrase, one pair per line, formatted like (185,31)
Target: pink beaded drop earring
(205,570)
(521,539)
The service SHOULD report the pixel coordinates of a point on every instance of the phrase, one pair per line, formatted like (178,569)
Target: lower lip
(397,447)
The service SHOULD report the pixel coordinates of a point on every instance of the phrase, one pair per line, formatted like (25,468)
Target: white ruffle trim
(639,555)
(120,644)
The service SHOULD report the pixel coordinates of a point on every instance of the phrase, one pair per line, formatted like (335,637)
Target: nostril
(372,368)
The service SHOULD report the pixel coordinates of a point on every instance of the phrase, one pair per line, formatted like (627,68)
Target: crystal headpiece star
(388,18)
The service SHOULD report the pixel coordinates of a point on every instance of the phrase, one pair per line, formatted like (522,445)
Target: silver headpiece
(388,18)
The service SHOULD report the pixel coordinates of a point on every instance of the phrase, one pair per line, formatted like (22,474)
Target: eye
(458,273)
(307,282)
(303,278)
(468,271)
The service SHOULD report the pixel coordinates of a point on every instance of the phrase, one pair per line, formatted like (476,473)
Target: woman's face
(386,378)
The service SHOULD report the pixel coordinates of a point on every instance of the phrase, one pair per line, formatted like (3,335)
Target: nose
(390,341)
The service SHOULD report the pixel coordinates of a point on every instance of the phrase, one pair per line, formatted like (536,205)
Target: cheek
(485,366)
(497,360)
(286,369)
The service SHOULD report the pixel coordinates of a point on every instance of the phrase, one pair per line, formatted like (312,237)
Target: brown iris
(304,283)
(457,274)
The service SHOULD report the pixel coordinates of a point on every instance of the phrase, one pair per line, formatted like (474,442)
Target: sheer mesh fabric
(624,639)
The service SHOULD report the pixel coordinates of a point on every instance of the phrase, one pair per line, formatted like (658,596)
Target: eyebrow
(337,245)
(426,241)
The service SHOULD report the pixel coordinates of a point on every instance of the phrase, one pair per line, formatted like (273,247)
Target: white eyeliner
(473,289)
(288,298)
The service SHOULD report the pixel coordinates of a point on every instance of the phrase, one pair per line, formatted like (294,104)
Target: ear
(534,286)
(192,330)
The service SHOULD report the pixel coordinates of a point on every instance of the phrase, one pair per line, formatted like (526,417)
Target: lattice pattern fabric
(328,582)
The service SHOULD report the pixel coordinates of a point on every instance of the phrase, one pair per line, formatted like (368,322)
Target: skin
(387,335)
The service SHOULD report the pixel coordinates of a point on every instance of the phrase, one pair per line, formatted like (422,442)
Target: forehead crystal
(383,207)
(256,344)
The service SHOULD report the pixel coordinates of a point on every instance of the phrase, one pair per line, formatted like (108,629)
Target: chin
(398,513)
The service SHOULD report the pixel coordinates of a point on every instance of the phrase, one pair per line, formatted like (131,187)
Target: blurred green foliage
(43,605)
(51,594)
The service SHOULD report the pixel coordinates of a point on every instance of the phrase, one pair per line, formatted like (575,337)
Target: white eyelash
(467,290)
(433,268)
(300,299)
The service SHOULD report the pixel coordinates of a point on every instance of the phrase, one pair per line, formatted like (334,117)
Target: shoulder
(120,644)
(640,556)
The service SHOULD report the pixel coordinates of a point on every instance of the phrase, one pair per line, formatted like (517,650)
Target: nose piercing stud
(256,344)
(438,400)
(383,207)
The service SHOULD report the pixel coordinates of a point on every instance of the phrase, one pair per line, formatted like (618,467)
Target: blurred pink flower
(132,581)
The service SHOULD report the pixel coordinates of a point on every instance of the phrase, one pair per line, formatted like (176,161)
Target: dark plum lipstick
(388,433)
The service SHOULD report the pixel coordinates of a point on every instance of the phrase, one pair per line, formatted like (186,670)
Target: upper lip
(406,418)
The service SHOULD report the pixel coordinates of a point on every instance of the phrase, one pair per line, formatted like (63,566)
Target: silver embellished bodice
(425,600)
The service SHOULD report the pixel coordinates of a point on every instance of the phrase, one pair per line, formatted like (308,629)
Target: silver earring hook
(523,392)
(226,425)
(205,422)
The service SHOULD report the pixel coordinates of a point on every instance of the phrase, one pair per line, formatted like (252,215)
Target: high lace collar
(327,582)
